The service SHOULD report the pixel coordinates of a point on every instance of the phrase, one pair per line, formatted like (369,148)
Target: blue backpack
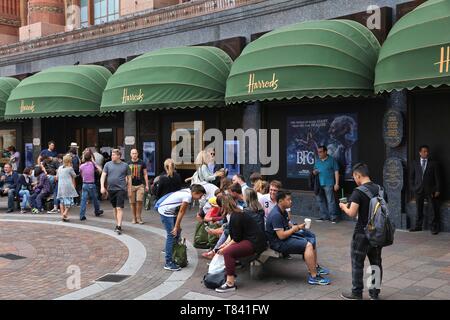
(161,200)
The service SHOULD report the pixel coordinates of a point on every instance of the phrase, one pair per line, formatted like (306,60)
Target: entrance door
(105,138)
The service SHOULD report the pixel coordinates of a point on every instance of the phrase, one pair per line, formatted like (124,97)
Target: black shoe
(99,213)
(9,210)
(374,297)
(415,229)
(334,221)
(83,218)
(351,296)
(321,220)
(434,231)
(118,230)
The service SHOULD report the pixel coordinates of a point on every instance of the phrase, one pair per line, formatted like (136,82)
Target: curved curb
(174,282)
(136,257)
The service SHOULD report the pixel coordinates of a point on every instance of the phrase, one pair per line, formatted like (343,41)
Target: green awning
(169,78)
(59,91)
(417,50)
(6,86)
(308,59)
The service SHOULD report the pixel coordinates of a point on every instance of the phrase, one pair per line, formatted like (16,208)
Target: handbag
(149,200)
(217,264)
(179,255)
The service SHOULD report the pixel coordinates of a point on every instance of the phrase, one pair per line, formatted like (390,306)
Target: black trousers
(360,249)
(435,221)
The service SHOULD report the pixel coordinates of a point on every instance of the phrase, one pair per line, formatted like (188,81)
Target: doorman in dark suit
(425,181)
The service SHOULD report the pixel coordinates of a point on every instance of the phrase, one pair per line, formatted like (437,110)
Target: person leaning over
(172,210)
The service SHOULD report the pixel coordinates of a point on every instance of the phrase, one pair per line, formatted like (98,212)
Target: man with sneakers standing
(172,208)
(293,239)
(116,174)
(359,204)
(328,170)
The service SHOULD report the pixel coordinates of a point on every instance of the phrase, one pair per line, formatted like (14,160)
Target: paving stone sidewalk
(417,266)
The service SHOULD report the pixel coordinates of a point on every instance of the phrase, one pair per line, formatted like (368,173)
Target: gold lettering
(23,107)
(445,61)
(132,97)
(261,84)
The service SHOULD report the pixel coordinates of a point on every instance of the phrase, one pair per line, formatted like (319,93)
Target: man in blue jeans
(89,189)
(328,170)
(172,208)
(294,239)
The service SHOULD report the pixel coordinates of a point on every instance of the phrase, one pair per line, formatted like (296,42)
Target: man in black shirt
(360,246)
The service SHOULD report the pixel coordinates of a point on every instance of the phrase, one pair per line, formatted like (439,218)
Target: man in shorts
(138,173)
(293,239)
(115,173)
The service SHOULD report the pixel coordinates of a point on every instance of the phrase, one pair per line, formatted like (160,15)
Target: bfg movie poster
(338,132)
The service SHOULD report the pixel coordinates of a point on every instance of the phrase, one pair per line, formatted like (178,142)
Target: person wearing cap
(213,214)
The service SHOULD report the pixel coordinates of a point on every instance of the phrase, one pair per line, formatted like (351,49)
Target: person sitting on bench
(293,239)
(245,240)
(8,183)
(41,191)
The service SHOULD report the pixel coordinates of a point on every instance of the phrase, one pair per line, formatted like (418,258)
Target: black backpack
(215,280)
(379,229)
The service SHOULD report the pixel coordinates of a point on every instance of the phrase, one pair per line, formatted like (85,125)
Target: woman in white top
(203,173)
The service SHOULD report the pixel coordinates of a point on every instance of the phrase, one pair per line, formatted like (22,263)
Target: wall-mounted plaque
(393,128)
(393,174)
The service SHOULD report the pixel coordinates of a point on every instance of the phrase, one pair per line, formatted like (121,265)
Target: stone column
(251,119)
(130,132)
(37,134)
(72,14)
(23,13)
(394,173)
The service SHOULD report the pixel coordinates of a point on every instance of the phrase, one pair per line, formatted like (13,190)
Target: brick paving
(416,267)
(49,250)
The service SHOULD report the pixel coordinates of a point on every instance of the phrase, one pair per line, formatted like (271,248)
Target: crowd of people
(244,218)
(247,219)
(72,179)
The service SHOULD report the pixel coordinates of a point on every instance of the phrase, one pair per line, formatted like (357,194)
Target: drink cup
(307,223)
(343,200)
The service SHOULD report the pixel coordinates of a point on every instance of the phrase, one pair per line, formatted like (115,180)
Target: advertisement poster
(231,157)
(149,149)
(338,132)
(29,163)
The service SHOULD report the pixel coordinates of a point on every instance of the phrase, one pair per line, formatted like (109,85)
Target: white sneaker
(54,210)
